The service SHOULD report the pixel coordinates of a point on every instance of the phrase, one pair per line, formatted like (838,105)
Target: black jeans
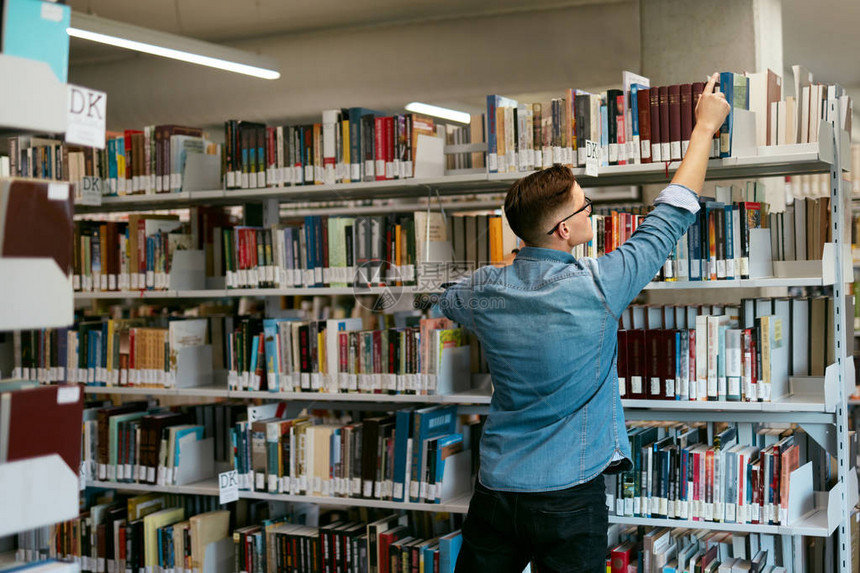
(559,531)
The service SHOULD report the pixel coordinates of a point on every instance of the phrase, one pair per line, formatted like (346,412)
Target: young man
(556,424)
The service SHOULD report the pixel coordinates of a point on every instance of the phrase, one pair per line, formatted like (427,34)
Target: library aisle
(279,294)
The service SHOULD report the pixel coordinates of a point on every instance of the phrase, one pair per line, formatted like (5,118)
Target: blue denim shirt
(547,325)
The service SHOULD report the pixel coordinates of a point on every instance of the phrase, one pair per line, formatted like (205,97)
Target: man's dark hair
(532,199)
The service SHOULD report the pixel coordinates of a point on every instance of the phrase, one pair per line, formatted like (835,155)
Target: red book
(377,352)
(636,363)
(643,105)
(756,485)
(620,134)
(654,101)
(325,255)
(789,461)
(621,556)
(343,351)
(253,259)
(655,389)
(379,147)
(669,374)
(696,90)
(304,349)
(28,201)
(665,134)
(686,117)
(271,160)
(385,540)
(621,364)
(42,421)
(141,247)
(675,122)
(709,483)
(697,461)
(607,234)
(389,148)
(129,157)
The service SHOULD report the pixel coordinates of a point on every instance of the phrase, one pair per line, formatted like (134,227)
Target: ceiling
(231,20)
(820,34)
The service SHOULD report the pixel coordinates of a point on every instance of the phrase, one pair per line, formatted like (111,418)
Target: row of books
(679,474)
(332,251)
(131,535)
(718,245)
(338,355)
(349,542)
(681,550)
(124,352)
(814,185)
(135,443)
(400,457)
(393,249)
(725,353)
(641,123)
(147,161)
(133,255)
(161,532)
(462,135)
(348,145)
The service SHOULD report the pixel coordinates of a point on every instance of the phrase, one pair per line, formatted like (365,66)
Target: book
(23,202)
(41,421)
(37,31)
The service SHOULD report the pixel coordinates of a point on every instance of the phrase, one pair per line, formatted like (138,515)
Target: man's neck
(555,246)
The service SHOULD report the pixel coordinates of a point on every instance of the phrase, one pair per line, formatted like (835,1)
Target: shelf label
(592,158)
(228,486)
(86,115)
(91,191)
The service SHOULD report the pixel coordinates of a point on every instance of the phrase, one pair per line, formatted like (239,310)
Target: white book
(802,79)
(758,104)
(791,121)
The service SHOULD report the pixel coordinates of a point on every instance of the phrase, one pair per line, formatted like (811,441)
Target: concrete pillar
(686,40)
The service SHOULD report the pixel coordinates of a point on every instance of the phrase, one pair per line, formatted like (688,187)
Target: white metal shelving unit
(831,509)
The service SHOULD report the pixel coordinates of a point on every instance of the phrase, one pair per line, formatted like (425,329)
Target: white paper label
(228,486)
(592,158)
(86,117)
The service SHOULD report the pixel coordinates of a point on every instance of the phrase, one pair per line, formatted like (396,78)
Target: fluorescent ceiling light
(171,46)
(436,111)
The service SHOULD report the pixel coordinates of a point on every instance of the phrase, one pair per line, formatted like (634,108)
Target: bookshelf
(824,409)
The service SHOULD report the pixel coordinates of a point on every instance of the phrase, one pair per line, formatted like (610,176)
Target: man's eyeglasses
(577,212)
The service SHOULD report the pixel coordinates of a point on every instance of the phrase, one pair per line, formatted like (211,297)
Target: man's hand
(711,111)
(712,108)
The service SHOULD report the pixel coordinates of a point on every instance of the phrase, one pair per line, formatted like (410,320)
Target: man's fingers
(709,87)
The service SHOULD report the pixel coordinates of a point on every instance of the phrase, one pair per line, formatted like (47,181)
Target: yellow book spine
(496,254)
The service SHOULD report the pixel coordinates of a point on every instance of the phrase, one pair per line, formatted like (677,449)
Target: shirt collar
(542,254)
